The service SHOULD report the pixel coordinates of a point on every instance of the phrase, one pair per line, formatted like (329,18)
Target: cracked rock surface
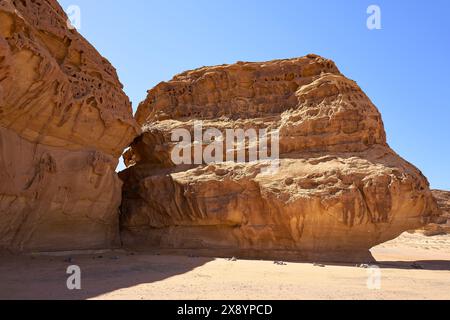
(64,122)
(340,189)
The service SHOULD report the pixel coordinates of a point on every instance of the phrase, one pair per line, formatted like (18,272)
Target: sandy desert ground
(411,267)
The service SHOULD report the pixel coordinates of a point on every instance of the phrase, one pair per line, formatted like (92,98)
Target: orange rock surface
(64,122)
(340,189)
(441,224)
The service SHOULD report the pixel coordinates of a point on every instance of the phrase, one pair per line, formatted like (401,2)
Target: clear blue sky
(404,68)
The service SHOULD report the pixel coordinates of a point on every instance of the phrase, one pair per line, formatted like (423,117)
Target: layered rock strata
(64,122)
(339,189)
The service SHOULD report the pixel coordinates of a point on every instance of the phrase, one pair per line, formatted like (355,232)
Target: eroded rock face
(64,122)
(441,224)
(339,191)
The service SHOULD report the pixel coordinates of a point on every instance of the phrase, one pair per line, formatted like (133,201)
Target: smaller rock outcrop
(339,189)
(64,123)
(441,223)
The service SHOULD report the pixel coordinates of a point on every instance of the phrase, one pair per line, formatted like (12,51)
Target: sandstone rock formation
(339,191)
(441,224)
(64,122)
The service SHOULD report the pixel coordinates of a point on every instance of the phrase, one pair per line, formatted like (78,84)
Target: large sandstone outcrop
(443,201)
(64,122)
(339,191)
